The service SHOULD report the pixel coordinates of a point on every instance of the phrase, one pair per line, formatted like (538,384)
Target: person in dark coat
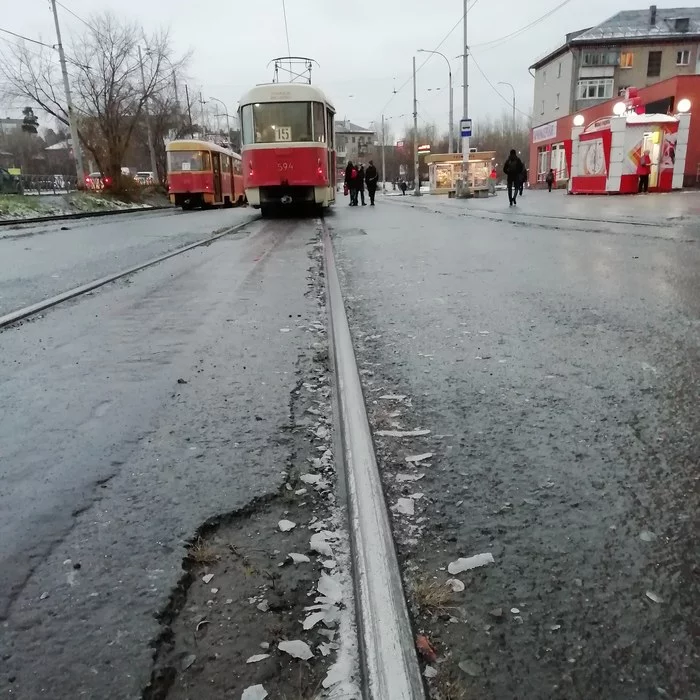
(371,178)
(351,182)
(550,179)
(513,169)
(361,185)
(523,180)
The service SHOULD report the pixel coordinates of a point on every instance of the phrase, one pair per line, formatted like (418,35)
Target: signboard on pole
(465,128)
(424,148)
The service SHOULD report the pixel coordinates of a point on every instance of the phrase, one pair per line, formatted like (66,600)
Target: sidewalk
(655,209)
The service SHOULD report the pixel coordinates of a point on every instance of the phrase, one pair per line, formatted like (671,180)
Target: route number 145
(283,133)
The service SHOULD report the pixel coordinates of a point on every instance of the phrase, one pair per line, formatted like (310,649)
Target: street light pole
(228,123)
(451,118)
(77,153)
(416,159)
(465,139)
(149,134)
(383,157)
(513,89)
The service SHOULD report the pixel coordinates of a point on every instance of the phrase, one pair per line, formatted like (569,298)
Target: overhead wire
(286,27)
(494,88)
(26,38)
(78,17)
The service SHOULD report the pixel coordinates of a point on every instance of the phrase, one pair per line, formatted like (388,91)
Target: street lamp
(228,123)
(449,68)
(513,89)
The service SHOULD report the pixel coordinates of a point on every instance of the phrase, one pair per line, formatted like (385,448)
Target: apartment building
(634,48)
(353,143)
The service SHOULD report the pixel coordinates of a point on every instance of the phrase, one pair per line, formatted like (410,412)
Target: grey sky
(364,46)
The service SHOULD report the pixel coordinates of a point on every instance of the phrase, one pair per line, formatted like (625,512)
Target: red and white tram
(288,146)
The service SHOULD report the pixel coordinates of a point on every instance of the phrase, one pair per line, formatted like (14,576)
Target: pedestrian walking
(513,169)
(351,182)
(492,181)
(523,180)
(643,170)
(550,179)
(361,185)
(403,186)
(371,178)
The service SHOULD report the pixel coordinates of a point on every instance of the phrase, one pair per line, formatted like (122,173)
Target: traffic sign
(465,128)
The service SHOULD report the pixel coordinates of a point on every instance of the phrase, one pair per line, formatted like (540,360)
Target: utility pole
(201,106)
(450,146)
(416,160)
(77,153)
(465,139)
(189,110)
(501,82)
(383,157)
(149,134)
(228,122)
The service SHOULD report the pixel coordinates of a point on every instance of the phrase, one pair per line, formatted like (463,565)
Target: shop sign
(544,132)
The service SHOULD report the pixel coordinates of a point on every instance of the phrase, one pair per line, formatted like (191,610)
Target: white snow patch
(430,672)
(414,459)
(285,330)
(405,506)
(310,478)
(318,544)
(460,565)
(418,432)
(207,578)
(330,587)
(455,584)
(409,477)
(297,649)
(300,492)
(329,564)
(286,525)
(416,496)
(254,692)
(312,620)
(299,558)
(257,657)
(393,397)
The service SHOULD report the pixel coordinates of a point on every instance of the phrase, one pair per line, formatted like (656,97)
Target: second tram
(288,146)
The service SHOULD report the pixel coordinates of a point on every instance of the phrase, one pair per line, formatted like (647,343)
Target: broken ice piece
(300,492)
(418,432)
(409,477)
(312,620)
(310,478)
(455,584)
(214,590)
(297,649)
(44,595)
(653,597)
(515,611)
(265,645)
(460,565)
(430,672)
(285,330)
(329,564)
(263,606)
(322,432)
(254,692)
(188,661)
(330,587)
(405,506)
(299,558)
(318,544)
(470,668)
(393,397)
(207,578)
(414,459)
(286,525)
(416,496)
(647,536)
(257,657)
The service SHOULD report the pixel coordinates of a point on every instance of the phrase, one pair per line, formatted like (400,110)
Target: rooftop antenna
(298,67)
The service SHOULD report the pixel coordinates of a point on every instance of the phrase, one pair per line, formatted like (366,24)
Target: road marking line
(389,662)
(32,309)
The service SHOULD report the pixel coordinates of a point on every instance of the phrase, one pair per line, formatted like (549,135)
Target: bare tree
(501,134)
(109,93)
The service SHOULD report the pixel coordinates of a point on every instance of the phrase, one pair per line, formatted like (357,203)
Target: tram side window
(319,122)
(247,119)
(237,166)
(188,160)
(281,122)
(331,134)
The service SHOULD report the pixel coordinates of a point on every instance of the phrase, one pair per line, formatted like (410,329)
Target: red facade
(672,90)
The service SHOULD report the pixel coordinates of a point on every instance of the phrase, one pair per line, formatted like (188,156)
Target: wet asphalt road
(557,365)
(110,463)
(40,260)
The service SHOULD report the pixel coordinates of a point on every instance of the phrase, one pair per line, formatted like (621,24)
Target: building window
(626,59)
(595,89)
(353,139)
(556,106)
(558,162)
(559,70)
(683,58)
(542,110)
(601,58)
(654,64)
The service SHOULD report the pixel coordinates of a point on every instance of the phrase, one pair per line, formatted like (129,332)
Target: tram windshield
(188,160)
(277,122)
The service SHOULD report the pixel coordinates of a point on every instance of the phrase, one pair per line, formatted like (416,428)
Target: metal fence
(48,184)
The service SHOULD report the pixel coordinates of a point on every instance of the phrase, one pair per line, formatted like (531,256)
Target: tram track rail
(32,309)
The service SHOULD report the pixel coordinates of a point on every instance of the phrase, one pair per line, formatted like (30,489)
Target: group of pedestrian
(355,180)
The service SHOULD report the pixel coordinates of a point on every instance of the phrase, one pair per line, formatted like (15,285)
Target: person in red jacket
(643,170)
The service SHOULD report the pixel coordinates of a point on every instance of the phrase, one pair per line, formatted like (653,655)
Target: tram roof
(285,92)
(198,145)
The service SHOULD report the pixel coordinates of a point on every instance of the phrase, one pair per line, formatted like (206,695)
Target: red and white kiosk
(604,156)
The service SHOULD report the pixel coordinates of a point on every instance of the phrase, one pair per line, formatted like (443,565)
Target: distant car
(97,181)
(145,177)
(501,186)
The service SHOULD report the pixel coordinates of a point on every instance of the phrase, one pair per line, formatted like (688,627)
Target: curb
(39,306)
(81,215)
(390,668)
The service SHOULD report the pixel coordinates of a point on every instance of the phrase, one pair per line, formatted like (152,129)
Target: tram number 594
(283,133)
(284,167)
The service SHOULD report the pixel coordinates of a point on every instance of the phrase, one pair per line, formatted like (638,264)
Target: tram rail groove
(82,215)
(38,307)
(389,664)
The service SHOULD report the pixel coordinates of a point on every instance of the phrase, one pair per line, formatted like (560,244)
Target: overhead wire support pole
(383,156)
(465,70)
(416,161)
(77,153)
(149,133)
(451,125)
